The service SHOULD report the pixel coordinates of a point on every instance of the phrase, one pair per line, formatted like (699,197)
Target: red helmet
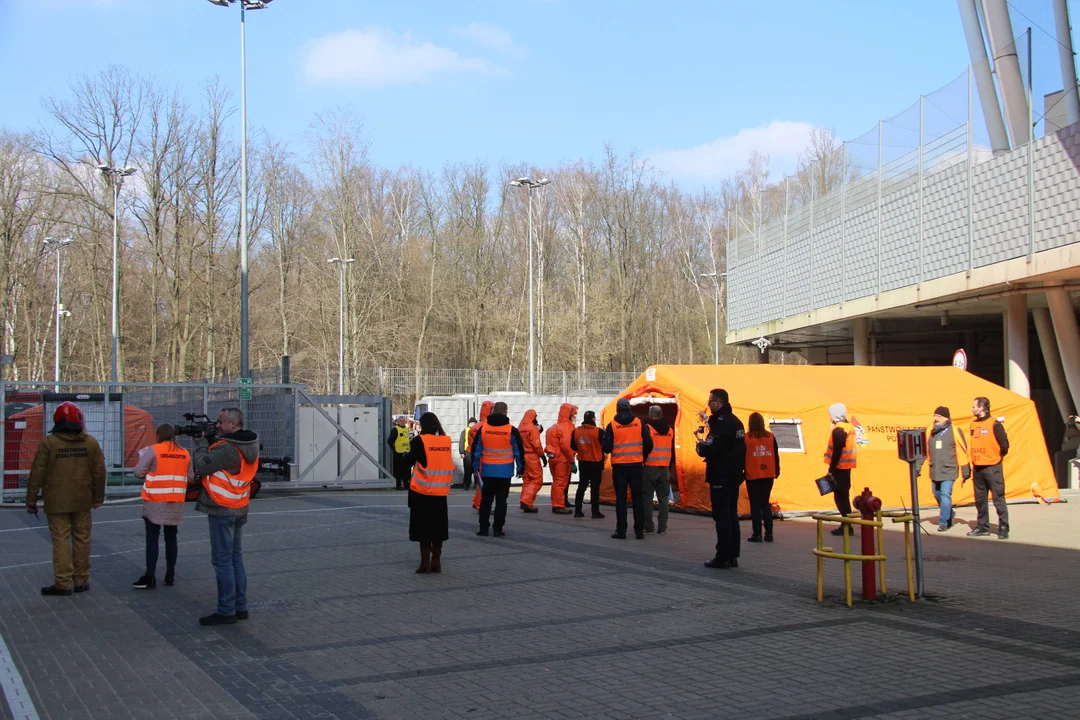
(68,411)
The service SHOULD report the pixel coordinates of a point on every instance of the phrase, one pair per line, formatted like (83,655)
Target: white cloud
(376,57)
(781,140)
(491,37)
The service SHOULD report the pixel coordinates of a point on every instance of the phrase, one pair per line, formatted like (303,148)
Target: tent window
(788,434)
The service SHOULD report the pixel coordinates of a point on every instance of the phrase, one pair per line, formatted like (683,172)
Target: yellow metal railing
(822,551)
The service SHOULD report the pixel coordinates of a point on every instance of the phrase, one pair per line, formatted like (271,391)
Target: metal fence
(123,418)
(918,197)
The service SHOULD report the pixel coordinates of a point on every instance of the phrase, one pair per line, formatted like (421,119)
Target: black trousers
(152,533)
(589,473)
(990,478)
(497,489)
(760,509)
(467,472)
(725,512)
(402,472)
(626,475)
(842,491)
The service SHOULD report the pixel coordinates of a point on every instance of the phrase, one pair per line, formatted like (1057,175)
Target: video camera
(199,425)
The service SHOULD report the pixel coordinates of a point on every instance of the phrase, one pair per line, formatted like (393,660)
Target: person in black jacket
(724,451)
(627,466)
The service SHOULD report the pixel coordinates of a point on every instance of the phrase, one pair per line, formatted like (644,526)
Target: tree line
(439,277)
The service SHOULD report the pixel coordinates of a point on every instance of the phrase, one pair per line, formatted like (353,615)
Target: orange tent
(138,433)
(794,399)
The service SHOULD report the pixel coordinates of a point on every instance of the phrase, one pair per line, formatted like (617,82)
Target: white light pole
(341,262)
(717,278)
(57,245)
(115,177)
(245,5)
(529,184)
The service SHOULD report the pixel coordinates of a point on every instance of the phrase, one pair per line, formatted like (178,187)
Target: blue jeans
(226,553)
(943,495)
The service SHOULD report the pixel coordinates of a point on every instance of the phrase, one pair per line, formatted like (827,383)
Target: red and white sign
(959,360)
(911,445)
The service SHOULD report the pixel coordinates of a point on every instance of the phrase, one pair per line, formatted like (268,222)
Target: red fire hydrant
(867,504)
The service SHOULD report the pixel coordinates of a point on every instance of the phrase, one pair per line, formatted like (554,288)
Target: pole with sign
(911,448)
(245,388)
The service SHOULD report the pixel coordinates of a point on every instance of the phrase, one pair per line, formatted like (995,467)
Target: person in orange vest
(69,472)
(466,454)
(841,455)
(560,455)
(590,454)
(485,410)
(947,458)
(723,449)
(497,453)
(658,468)
(535,461)
(430,454)
(762,468)
(166,469)
(989,446)
(628,442)
(227,466)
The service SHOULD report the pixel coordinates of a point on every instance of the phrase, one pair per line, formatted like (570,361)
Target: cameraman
(227,467)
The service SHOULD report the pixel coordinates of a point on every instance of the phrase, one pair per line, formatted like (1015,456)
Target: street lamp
(342,262)
(529,184)
(717,278)
(57,245)
(115,176)
(245,5)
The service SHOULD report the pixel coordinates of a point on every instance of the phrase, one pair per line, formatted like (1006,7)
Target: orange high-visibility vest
(627,447)
(496,445)
(984,446)
(760,459)
(587,442)
(849,455)
(231,491)
(168,482)
(436,477)
(661,448)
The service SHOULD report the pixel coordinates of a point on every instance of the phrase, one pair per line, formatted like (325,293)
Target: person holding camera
(227,464)
(724,452)
(432,475)
(69,472)
(165,468)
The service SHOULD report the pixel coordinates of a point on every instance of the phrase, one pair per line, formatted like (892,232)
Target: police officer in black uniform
(724,451)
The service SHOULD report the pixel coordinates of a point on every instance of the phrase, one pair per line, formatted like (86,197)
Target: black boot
(146,582)
(436,557)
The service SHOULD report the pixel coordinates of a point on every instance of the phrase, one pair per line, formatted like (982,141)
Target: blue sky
(690,83)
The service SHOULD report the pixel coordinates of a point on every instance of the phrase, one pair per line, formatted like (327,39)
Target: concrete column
(1048,343)
(1016,322)
(1068,339)
(860,331)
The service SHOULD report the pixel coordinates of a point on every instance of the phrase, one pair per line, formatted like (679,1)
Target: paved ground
(555,620)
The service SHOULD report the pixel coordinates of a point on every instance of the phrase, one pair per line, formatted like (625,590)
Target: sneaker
(53,590)
(662,532)
(241,614)
(146,582)
(978,532)
(483,533)
(561,510)
(618,536)
(528,509)
(942,528)
(579,514)
(85,587)
(500,533)
(754,538)
(170,579)
(768,537)
(216,619)
(717,564)
(648,531)
(1002,535)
